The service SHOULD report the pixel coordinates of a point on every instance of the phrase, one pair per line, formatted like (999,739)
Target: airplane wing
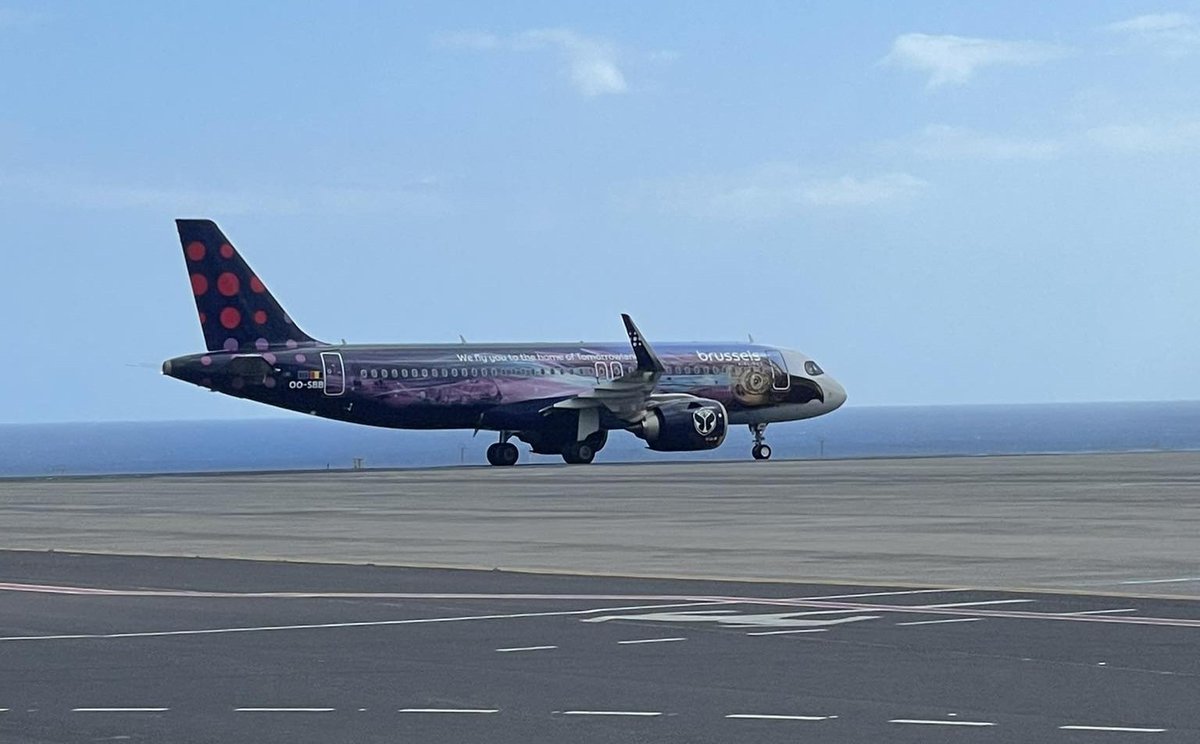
(626,397)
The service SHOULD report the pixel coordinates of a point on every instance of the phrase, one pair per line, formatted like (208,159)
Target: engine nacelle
(684,425)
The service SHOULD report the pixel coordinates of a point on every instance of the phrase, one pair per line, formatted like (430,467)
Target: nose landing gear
(762,450)
(504,452)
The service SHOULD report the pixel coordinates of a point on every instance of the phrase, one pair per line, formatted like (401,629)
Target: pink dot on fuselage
(269,382)
(228,284)
(256,285)
(301,359)
(269,357)
(199,284)
(226,250)
(262,344)
(260,317)
(231,344)
(205,360)
(195,250)
(203,318)
(231,318)
(291,343)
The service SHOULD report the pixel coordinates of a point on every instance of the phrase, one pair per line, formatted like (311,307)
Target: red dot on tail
(228,284)
(203,318)
(195,250)
(256,285)
(231,318)
(199,284)
(260,317)
(226,250)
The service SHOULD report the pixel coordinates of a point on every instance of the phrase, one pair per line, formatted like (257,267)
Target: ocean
(301,443)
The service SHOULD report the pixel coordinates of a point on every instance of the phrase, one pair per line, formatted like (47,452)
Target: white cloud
(953,60)
(850,191)
(590,62)
(943,142)
(73,190)
(1173,34)
(780,190)
(1149,138)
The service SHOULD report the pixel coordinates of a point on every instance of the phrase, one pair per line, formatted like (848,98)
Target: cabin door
(335,372)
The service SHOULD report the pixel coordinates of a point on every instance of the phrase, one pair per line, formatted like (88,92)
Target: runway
(200,650)
(1115,523)
(1048,599)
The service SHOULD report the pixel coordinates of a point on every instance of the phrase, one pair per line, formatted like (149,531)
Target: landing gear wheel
(503,454)
(579,453)
(762,450)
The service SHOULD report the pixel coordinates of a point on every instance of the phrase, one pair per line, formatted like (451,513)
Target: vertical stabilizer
(237,313)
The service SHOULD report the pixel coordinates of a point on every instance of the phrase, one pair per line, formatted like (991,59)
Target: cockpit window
(813,369)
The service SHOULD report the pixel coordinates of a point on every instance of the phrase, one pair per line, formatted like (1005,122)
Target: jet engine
(684,425)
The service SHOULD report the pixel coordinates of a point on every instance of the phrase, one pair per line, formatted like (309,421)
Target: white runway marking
(788,632)
(635,713)
(973,604)
(826,603)
(119,710)
(920,722)
(877,594)
(1120,729)
(284,710)
(1163,581)
(650,640)
(942,622)
(322,626)
(470,711)
(1100,612)
(772,717)
(749,620)
(524,648)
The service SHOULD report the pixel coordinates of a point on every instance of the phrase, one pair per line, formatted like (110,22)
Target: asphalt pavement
(159,649)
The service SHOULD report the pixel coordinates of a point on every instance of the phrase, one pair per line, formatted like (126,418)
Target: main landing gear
(582,453)
(504,452)
(578,453)
(762,450)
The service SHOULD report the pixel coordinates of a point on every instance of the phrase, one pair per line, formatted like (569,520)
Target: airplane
(558,398)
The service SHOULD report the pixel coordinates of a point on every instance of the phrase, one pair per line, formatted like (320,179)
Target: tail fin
(236,310)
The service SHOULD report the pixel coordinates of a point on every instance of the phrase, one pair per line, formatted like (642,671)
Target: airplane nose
(835,394)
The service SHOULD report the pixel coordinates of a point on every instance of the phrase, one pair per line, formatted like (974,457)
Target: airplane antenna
(750,336)
(462,338)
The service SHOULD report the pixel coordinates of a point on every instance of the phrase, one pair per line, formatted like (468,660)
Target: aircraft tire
(761,452)
(507,454)
(503,455)
(579,453)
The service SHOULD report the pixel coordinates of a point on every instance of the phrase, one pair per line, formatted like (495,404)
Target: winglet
(647,360)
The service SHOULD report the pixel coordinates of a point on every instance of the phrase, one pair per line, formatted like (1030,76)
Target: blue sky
(941,202)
